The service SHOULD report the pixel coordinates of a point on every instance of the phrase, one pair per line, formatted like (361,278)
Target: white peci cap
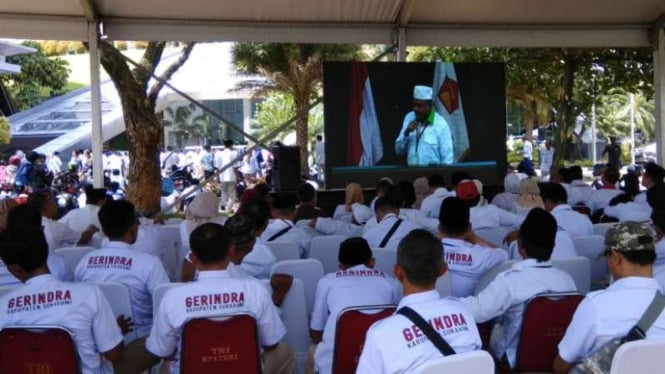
(422,93)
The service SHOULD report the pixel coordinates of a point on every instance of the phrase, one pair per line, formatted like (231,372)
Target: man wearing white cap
(425,137)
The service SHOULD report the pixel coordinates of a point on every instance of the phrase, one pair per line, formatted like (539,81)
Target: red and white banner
(364,145)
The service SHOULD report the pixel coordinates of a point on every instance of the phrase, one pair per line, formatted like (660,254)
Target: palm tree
(184,125)
(614,113)
(294,69)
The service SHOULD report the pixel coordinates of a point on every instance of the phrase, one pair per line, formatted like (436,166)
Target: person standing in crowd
(393,345)
(320,156)
(527,161)
(226,159)
(83,310)
(425,136)
(54,163)
(357,283)
(611,313)
(506,296)
(613,151)
(168,159)
(207,162)
(546,160)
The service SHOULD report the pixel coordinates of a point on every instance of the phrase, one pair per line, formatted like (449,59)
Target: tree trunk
(301,133)
(564,120)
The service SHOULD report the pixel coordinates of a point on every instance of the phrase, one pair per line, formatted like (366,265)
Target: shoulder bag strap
(390,233)
(425,327)
(279,233)
(648,318)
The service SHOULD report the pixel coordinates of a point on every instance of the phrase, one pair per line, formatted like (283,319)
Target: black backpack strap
(279,233)
(390,233)
(428,330)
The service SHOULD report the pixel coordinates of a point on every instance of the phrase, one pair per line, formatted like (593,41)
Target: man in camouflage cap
(608,314)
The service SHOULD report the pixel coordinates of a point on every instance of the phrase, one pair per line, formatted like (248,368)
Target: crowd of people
(432,226)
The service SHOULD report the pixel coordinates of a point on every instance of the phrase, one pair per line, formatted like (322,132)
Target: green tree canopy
(39,74)
(294,69)
(5,130)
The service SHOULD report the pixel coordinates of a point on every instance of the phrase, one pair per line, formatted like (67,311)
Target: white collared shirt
(608,314)
(212,294)
(375,235)
(600,199)
(224,158)
(341,214)
(633,211)
(507,295)
(58,234)
(574,223)
(331,226)
(56,265)
(579,192)
(81,308)
(140,272)
(431,205)
(79,219)
(355,286)
(488,216)
(468,262)
(259,261)
(295,234)
(564,247)
(396,345)
(506,201)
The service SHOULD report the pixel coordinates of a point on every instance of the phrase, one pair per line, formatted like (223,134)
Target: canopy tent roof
(425,22)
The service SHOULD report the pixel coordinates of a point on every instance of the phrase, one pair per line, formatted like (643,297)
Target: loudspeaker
(286,168)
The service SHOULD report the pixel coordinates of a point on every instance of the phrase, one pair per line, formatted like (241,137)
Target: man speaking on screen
(425,136)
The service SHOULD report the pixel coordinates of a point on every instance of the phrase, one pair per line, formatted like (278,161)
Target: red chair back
(220,346)
(26,350)
(352,325)
(545,320)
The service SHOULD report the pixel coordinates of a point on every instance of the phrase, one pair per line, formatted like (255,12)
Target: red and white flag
(364,145)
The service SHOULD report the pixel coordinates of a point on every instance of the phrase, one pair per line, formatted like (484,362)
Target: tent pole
(96,103)
(401,44)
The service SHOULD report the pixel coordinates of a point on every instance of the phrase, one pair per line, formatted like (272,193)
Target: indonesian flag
(364,135)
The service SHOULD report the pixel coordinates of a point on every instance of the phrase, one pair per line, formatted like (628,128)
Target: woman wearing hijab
(354,194)
(422,191)
(507,199)
(529,196)
(203,209)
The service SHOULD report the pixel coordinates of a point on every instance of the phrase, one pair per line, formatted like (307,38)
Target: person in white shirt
(45,300)
(382,187)
(578,191)
(354,194)
(58,234)
(54,163)
(432,203)
(609,314)
(357,283)
(508,199)
(80,219)
(574,223)
(26,215)
(228,178)
(527,162)
(468,256)
(395,344)
(210,254)
(167,160)
(329,226)
(484,215)
(507,295)
(600,199)
(546,160)
(320,156)
(117,261)
(390,228)
(281,227)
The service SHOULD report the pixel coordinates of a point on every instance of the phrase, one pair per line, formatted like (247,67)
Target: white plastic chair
(118,297)
(384,259)
(284,250)
(601,228)
(73,255)
(592,247)
(163,242)
(309,271)
(294,316)
(444,285)
(488,277)
(475,362)
(159,292)
(302,223)
(578,268)
(494,236)
(642,356)
(326,250)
